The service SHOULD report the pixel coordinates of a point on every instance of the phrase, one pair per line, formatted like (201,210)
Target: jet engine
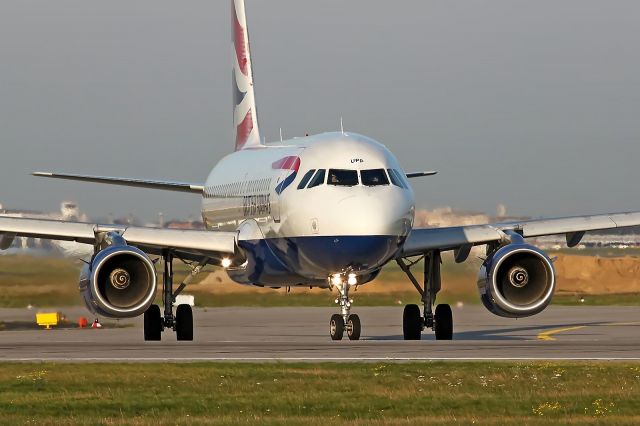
(517,280)
(119,282)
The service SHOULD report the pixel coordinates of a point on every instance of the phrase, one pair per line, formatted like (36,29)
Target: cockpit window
(306,178)
(341,177)
(396,179)
(374,177)
(318,179)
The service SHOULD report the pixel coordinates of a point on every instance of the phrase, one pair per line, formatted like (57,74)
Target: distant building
(446,216)
(68,211)
(177,224)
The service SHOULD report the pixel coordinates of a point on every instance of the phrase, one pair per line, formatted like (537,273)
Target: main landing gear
(345,320)
(182,321)
(413,323)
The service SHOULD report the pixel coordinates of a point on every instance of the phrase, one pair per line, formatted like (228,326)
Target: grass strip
(321,394)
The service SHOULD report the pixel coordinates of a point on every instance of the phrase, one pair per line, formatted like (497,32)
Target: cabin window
(318,179)
(374,177)
(306,178)
(341,177)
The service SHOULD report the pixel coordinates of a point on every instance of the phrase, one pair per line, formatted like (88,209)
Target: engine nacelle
(120,282)
(517,280)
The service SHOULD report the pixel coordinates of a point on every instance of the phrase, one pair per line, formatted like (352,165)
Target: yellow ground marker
(548,335)
(48,319)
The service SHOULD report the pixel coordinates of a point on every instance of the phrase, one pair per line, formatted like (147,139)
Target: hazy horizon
(531,104)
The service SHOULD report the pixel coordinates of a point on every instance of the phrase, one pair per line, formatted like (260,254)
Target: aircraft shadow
(492,334)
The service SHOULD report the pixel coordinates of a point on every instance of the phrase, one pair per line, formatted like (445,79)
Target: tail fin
(245,116)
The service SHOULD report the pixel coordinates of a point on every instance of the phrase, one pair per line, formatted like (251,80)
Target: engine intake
(120,282)
(517,280)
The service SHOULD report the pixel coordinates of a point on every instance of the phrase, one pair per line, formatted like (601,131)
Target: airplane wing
(422,240)
(188,244)
(137,183)
(421,174)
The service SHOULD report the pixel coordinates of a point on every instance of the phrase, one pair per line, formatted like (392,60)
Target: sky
(534,104)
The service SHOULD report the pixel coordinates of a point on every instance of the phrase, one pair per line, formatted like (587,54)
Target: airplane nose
(375,216)
(349,252)
(364,233)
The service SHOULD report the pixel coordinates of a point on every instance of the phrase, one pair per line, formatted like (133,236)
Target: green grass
(598,251)
(599,300)
(39,281)
(320,394)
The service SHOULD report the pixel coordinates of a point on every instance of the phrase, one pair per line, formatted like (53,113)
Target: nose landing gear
(413,323)
(345,321)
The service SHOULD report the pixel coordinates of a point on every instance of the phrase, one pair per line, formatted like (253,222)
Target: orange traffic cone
(96,324)
(82,322)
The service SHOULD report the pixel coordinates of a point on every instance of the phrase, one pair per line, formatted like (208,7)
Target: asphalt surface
(256,334)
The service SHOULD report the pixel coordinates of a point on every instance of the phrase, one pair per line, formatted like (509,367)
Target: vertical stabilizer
(245,116)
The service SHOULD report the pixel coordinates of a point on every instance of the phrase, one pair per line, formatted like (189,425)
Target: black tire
(336,327)
(443,321)
(184,323)
(152,324)
(353,327)
(412,323)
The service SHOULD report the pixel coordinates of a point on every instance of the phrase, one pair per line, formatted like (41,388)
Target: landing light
(226,262)
(336,279)
(353,280)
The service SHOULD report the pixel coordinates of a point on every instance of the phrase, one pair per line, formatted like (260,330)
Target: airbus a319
(328,210)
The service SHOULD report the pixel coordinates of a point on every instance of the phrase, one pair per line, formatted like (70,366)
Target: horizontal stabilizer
(421,174)
(136,183)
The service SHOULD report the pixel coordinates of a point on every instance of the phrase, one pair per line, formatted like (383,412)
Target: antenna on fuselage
(280,134)
(341,126)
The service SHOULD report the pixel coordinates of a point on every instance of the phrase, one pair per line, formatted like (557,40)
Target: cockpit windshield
(374,177)
(306,178)
(342,177)
(318,179)
(396,178)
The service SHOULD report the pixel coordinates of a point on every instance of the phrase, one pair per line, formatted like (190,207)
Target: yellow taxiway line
(548,335)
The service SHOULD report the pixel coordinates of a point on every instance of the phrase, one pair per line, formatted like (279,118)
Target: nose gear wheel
(344,321)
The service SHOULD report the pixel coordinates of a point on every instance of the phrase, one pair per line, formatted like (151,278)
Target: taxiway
(271,334)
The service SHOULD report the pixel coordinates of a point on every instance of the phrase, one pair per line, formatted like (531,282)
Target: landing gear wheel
(443,322)
(353,327)
(184,323)
(152,323)
(336,327)
(412,323)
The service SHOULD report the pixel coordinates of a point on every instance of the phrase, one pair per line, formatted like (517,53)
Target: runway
(272,334)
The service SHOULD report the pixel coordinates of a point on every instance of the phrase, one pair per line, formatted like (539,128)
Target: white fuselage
(302,236)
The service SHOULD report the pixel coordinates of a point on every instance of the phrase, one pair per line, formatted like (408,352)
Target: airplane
(328,210)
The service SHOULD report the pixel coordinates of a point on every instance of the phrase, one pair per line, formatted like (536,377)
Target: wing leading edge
(425,239)
(136,183)
(189,244)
